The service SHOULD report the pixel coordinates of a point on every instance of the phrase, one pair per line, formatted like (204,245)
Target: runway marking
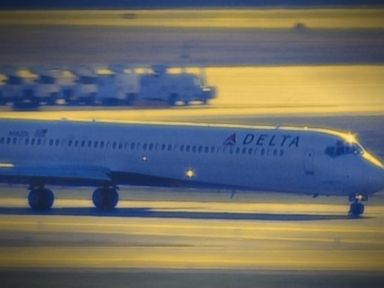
(218,18)
(165,257)
(61,241)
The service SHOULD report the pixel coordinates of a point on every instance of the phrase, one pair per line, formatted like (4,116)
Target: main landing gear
(357,207)
(105,198)
(41,198)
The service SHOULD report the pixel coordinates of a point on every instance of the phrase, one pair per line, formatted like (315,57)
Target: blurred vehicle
(106,85)
(83,90)
(47,88)
(158,84)
(3,78)
(18,89)
(154,84)
(111,85)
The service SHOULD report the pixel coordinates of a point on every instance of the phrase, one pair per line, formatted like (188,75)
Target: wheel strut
(357,207)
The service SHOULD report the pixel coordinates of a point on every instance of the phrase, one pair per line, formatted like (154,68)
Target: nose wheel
(357,207)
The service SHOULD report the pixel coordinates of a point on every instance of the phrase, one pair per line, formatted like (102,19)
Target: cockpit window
(343,148)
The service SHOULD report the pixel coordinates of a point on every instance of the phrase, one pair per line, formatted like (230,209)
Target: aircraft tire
(105,198)
(356,209)
(41,199)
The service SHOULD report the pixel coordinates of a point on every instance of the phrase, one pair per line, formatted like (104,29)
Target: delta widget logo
(230,141)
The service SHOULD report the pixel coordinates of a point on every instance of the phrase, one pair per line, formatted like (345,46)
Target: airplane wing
(55,175)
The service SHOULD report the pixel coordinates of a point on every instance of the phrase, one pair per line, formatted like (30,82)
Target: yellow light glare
(372,159)
(104,71)
(350,138)
(190,173)
(6,165)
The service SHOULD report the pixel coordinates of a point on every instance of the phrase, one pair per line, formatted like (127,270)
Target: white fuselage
(285,159)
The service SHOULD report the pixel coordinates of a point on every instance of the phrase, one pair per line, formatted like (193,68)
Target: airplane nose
(377,179)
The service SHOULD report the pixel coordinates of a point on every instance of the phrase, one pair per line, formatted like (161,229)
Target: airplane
(104,155)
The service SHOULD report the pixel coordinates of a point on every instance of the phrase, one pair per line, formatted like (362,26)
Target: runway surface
(184,232)
(193,37)
(144,46)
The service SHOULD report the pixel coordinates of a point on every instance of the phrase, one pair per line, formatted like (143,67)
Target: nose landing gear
(357,207)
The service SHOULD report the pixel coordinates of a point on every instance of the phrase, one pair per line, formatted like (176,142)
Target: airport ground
(169,236)
(193,37)
(188,238)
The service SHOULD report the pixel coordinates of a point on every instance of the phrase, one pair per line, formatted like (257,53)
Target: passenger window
(2,140)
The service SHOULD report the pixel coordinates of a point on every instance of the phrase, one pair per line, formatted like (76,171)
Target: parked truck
(18,90)
(83,89)
(158,84)
(30,88)
(119,86)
